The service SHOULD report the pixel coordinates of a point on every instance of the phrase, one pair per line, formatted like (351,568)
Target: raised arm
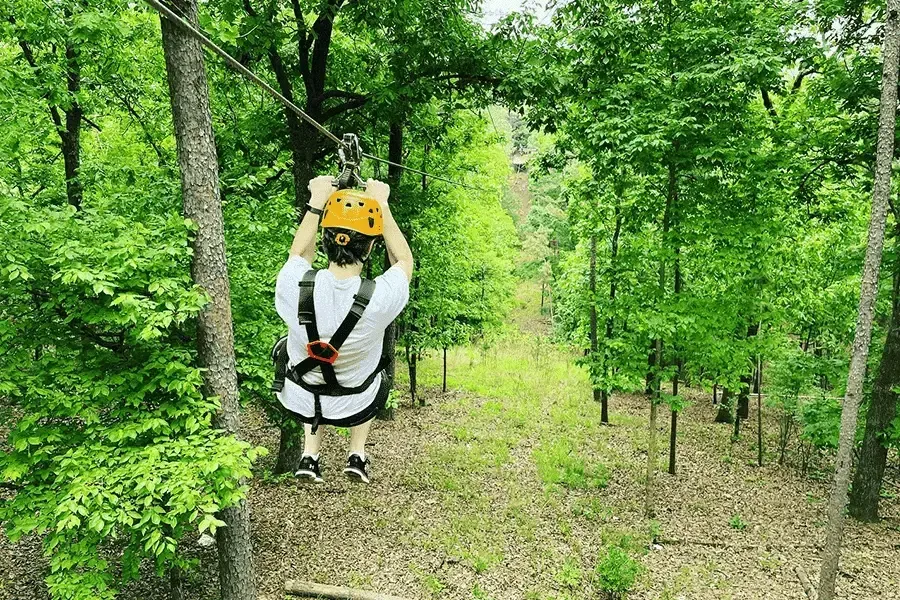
(398,249)
(305,239)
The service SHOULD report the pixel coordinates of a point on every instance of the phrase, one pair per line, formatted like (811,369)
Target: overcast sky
(495,10)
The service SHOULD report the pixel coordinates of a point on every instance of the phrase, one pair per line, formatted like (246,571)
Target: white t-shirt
(359,354)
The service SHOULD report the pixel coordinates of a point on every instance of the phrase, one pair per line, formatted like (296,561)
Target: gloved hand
(378,190)
(320,189)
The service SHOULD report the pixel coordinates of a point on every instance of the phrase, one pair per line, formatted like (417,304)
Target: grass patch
(569,574)
(559,463)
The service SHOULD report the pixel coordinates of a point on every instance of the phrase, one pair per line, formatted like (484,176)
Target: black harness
(320,354)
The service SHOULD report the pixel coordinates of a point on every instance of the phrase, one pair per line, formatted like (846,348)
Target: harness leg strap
(318,414)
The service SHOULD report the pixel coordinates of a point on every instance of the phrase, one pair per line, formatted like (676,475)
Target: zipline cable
(232,62)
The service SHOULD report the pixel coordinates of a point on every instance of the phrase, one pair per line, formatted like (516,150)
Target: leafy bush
(616,573)
(111,449)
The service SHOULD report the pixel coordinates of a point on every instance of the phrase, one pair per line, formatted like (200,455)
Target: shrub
(616,573)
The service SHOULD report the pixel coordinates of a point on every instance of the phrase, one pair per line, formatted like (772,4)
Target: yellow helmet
(354,210)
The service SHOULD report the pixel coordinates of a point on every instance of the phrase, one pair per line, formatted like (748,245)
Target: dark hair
(356,251)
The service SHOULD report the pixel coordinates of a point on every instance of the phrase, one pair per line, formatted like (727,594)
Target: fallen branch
(734,546)
(305,589)
(804,581)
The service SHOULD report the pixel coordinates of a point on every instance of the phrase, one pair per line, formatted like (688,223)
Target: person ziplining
(330,368)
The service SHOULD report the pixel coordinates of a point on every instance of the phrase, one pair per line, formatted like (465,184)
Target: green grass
(521,462)
(558,462)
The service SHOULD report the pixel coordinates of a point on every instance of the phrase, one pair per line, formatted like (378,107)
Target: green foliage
(569,575)
(558,463)
(462,239)
(616,572)
(737,523)
(111,438)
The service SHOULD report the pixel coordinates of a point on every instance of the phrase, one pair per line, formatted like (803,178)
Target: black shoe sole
(356,476)
(308,477)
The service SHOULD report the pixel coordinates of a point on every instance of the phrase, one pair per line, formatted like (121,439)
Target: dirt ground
(508,488)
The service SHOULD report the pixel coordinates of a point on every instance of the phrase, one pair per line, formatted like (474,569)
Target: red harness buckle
(322,352)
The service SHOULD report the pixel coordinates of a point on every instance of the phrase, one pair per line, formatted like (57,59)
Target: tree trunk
(651,368)
(868,292)
(71,137)
(673,430)
(444,386)
(613,275)
(215,338)
(715,394)
(649,491)
(758,390)
(882,412)
(650,504)
(290,447)
(176,584)
(592,288)
(395,154)
(673,427)
(725,413)
(298,137)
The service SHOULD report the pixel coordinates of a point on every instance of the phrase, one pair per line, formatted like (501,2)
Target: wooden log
(805,582)
(306,589)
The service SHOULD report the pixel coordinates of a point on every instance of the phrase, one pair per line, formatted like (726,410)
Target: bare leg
(358,435)
(312,443)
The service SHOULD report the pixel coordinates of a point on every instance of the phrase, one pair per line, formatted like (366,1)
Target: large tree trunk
(215,338)
(290,446)
(725,414)
(882,411)
(869,289)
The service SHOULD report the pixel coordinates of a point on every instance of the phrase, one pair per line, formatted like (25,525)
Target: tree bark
(290,447)
(882,411)
(868,292)
(592,288)
(71,136)
(395,154)
(673,430)
(725,413)
(444,386)
(673,425)
(650,504)
(613,275)
(758,391)
(198,163)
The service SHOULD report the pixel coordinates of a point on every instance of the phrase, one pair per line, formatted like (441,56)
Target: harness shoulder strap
(360,302)
(306,307)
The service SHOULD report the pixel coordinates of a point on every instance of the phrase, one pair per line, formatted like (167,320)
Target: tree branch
(321,34)
(91,123)
(798,81)
(344,107)
(160,155)
(337,94)
(767,102)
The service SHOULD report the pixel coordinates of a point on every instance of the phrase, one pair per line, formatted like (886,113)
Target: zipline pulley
(349,159)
